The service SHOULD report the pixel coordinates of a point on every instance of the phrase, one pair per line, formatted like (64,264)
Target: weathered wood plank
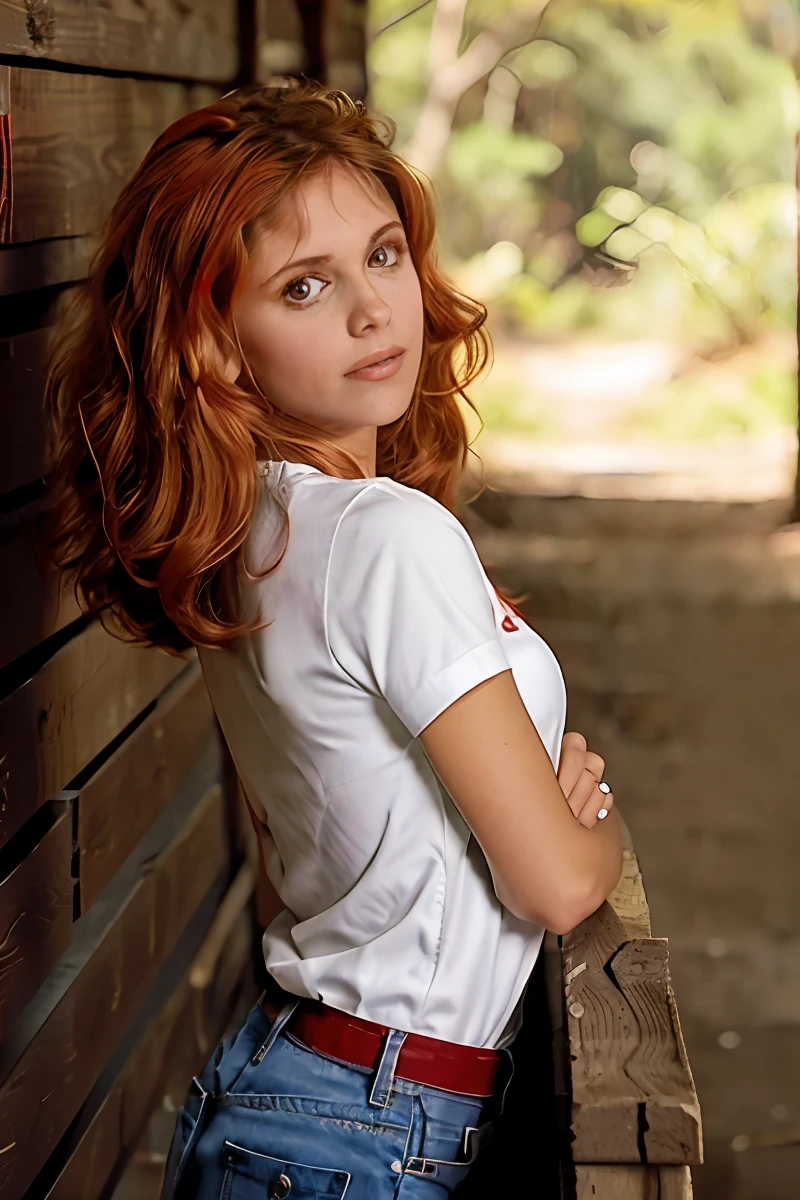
(95,1156)
(35,917)
(25,456)
(51,1078)
(633,1096)
(632,1183)
(206,964)
(55,724)
(196,41)
(628,898)
(120,802)
(76,139)
(22,363)
(186,1028)
(34,607)
(45,264)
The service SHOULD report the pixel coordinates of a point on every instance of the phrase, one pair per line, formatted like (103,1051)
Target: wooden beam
(76,139)
(118,804)
(204,968)
(36,606)
(633,1096)
(182,1031)
(45,264)
(55,724)
(196,41)
(52,1076)
(628,898)
(22,362)
(314,22)
(35,916)
(632,1183)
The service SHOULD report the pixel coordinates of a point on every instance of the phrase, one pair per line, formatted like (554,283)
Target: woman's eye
(298,283)
(384,248)
(307,299)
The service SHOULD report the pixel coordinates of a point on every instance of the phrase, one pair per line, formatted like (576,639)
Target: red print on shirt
(508,623)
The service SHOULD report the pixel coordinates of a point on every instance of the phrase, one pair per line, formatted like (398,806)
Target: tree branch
(450,75)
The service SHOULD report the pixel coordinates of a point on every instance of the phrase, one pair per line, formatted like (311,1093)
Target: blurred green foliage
(688,408)
(640,183)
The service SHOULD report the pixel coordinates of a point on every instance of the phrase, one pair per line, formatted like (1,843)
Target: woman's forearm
(601,864)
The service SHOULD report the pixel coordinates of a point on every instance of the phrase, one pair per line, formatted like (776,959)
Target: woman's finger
(596,802)
(570,766)
(581,793)
(594,763)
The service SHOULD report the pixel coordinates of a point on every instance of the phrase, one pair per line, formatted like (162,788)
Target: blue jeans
(269,1117)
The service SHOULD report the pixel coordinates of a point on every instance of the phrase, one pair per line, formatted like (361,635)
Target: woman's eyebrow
(319,260)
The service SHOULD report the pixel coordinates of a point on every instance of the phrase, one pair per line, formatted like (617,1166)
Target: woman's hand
(579,772)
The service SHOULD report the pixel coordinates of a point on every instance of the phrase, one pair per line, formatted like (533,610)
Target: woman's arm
(547,867)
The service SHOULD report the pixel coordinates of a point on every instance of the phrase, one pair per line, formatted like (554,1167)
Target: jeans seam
(268,1101)
(340,1062)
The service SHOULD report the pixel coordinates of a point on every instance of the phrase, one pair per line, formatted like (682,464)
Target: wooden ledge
(633,1096)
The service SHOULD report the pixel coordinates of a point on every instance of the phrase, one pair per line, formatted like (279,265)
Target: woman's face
(304,326)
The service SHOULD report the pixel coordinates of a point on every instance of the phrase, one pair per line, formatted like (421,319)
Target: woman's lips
(380,370)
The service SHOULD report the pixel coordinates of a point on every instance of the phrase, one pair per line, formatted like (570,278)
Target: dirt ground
(677,624)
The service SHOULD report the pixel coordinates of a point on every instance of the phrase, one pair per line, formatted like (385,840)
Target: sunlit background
(620,191)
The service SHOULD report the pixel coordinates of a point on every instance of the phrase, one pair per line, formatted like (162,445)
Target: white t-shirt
(382,616)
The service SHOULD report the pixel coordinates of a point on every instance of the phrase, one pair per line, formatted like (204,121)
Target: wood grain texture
(22,363)
(187,1027)
(206,965)
(628,898)
(35,917)
(76,141)
(95,1155)
(52,1076)
(196,40)
(57,722)
(34,607)
(45,264)
(633,1096)
(119,803)
(632,1183)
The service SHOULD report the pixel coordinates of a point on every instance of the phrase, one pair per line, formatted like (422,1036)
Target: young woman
(259,449)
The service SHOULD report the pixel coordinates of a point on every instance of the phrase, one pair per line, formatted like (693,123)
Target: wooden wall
(126,865)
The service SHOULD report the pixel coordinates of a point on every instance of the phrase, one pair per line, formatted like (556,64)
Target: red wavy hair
(155,479)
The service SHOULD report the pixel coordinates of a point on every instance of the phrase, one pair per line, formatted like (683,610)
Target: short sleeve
(408,613)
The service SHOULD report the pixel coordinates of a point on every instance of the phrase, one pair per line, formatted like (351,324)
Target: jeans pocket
(191,1120)
(250,1175)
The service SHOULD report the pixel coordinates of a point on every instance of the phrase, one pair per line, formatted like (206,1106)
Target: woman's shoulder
(392,512)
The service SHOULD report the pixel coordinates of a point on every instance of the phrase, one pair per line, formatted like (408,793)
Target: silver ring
(601,816)
(604,787)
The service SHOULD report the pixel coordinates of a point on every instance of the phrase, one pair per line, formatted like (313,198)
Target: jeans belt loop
(276,1027)
(383,1081)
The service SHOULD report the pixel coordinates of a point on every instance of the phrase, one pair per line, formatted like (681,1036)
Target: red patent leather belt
(472,1070)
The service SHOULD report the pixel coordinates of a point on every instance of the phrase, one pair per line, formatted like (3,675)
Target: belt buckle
(474,1138)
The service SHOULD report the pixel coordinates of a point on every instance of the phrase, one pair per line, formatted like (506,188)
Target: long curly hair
(155,449)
